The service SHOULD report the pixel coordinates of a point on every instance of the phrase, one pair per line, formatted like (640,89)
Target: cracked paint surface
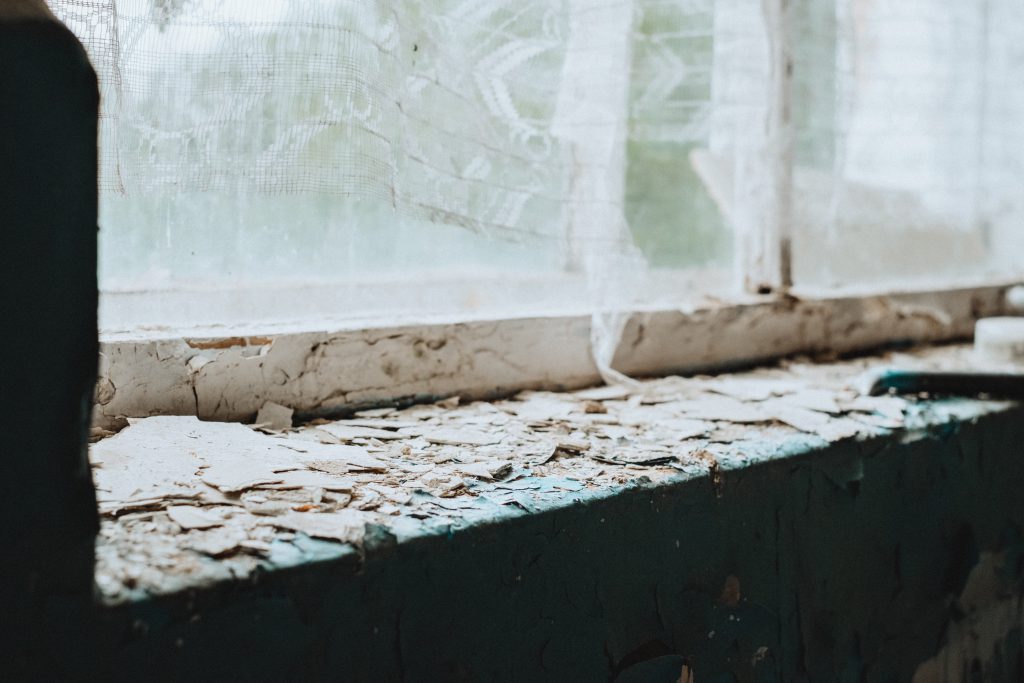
(183,499)
(227,375)
(811,558)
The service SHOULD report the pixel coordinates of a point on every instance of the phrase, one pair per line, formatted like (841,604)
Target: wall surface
(872,561)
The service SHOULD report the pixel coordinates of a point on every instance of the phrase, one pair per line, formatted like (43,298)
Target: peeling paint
(228,342)
(325,373)
(791,575)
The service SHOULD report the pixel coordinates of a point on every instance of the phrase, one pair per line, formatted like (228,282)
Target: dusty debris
(460,437)
(714,469)
(298,479)
(188,517)
(573,445)
(607,393)
(332,466)
(486,470)
(233,477)
(390,423)
(272,502)
(216,542)
(681,429)
(255,547)
(274,417)
(98,433)
(347,433)
(352,458)
(346,526)
(720,409)
(752,389)
(185,501)
(641,458)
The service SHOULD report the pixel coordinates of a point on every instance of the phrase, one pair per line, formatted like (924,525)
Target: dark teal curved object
(995,385)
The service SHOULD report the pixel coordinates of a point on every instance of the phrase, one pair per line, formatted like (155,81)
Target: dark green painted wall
(847,564)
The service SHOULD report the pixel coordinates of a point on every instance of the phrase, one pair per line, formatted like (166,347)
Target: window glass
(908,153)
(292,142)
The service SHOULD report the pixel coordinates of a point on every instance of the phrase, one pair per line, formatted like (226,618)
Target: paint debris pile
(186,502)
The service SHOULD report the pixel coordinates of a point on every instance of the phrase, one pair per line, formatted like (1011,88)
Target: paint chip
(495,469)
(274,417)
(188,517)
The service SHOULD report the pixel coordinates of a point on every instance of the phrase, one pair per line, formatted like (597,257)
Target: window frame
(320,366)
(229,373)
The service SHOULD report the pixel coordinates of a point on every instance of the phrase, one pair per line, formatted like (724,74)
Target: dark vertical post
(48,352)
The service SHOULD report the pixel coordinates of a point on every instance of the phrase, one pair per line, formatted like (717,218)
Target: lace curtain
(339,139)
(525,123)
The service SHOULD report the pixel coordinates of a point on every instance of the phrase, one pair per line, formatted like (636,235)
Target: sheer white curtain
(909,146)
(348,138)
(351,141)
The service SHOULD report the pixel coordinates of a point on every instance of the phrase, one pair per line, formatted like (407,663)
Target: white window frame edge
(763,251)
(334,372)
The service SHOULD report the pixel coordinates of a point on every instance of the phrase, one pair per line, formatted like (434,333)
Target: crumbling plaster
(862,561)
(229,375)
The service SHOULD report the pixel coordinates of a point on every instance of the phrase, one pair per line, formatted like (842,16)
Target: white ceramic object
(1000,340)
(1015,299)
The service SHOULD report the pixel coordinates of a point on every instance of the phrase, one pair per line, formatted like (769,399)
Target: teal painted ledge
(842,562)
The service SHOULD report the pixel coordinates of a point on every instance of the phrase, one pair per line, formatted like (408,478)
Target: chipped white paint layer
(325,372)
(450,464)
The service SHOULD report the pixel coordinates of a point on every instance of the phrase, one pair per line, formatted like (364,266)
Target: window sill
(734,547)
(446,467)
(228,373)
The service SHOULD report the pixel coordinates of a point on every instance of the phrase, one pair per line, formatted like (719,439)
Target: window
(380,147)
(906,158)
(364,163)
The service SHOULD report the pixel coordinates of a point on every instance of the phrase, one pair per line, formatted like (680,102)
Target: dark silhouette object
(48,223)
